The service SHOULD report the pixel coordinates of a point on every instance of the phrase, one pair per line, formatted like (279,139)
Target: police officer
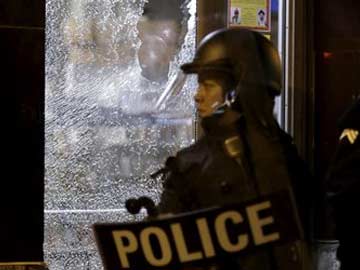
(242,154)
(343,187)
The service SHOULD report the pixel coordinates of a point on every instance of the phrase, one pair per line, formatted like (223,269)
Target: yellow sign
(253,14)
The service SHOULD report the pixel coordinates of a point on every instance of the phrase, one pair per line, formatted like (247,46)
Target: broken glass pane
(116,106)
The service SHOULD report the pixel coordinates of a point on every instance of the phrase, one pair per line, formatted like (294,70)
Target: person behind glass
(239,76)
(261,18)
(161,31)
(236,17)
(343,187)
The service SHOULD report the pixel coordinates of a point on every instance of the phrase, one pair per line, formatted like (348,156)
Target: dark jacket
(343,187)
(343,177)
(204,175)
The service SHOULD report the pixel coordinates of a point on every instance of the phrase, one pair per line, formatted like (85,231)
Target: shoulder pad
(350,134)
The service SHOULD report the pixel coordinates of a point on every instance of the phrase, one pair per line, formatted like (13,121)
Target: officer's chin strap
(219,108)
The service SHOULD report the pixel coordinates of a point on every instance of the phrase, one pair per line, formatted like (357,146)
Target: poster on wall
(252,14)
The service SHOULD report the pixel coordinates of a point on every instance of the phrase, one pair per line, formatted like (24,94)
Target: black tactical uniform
(203,175)
(243,154)
(343,188)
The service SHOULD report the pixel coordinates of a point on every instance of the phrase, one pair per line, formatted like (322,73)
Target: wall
(22,90)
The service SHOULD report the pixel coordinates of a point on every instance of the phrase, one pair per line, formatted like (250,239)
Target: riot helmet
(248,56)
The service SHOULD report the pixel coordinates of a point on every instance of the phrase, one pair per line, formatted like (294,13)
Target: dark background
(337,82)
(22,34)
(332,53)
(337,69)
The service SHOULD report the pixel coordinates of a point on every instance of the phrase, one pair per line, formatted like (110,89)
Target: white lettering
(123,249)
(205,237)
(256,223)
(180,244)
(222,235)
(164,246)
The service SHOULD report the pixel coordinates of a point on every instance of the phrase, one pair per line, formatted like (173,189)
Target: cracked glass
(116,107)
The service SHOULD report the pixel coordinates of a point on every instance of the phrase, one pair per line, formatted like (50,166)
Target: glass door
(116,107)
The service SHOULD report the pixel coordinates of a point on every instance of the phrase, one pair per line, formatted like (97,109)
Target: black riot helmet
(247,55)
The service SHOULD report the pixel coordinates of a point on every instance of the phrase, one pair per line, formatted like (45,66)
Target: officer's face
(208,96)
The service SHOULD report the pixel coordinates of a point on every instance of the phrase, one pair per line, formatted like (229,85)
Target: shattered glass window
(116,106)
